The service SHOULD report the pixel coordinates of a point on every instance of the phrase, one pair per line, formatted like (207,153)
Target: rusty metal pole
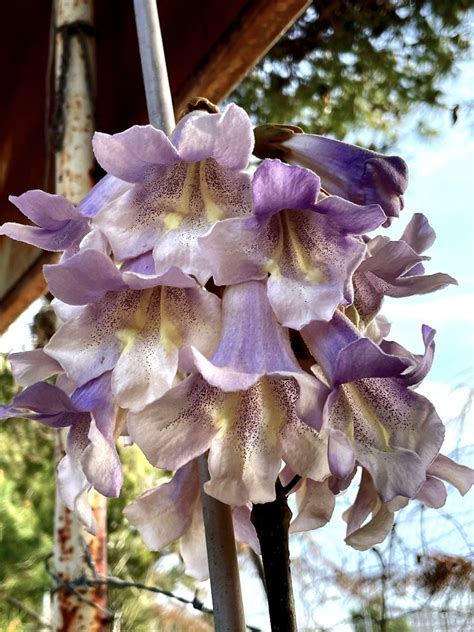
(220,540)
(74,162)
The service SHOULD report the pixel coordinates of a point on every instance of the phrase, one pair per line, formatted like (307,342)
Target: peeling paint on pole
(74,162)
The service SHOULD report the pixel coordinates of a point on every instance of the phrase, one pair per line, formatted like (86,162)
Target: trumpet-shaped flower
(372,417)
(351,172)
(251,405)
(309,249)
(395,268)
(136,334)
(181,186)
(363,535)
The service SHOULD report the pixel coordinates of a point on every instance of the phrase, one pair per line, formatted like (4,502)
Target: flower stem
(222,559)
(272,521)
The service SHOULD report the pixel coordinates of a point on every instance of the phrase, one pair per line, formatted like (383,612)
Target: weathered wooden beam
(260,24)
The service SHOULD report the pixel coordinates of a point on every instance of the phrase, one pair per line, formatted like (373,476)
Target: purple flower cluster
(205,308)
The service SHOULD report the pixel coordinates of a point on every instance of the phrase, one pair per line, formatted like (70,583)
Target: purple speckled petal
(245,455)
(130,154)
(310,268)
(83,278)
(178,427)
(315,506)
(173,318)
(396,432)
(461,476)
(137,334)
(170,209)
(227,137)
(354,173)
(31,366)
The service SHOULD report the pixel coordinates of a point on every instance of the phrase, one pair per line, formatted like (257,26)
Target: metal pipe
(222,559)
(155,73)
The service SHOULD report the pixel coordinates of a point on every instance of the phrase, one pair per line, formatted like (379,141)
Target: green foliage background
(353,65)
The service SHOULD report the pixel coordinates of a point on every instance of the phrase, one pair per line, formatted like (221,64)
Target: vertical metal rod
(222,560)
(73,167)
(155,73)
(220,540)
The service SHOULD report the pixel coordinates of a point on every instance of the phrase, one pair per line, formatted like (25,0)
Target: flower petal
(357,174)
(396,432)
(315,506)
(106,190)
(30,366)
(227,137)
(245,455)
(432,493)
(178,427)
(193,546)
(101,464)
(418,233)
(460,476)
(129,154)
(244,529)
(170,209)
(164,513)
(83,278)
(72,483)
(52,240)
(277,186)
(48,210)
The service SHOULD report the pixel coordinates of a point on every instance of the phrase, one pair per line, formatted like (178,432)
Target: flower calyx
(198,103)
(268,139)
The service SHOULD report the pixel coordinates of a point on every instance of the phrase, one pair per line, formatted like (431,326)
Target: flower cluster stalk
(272,523)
